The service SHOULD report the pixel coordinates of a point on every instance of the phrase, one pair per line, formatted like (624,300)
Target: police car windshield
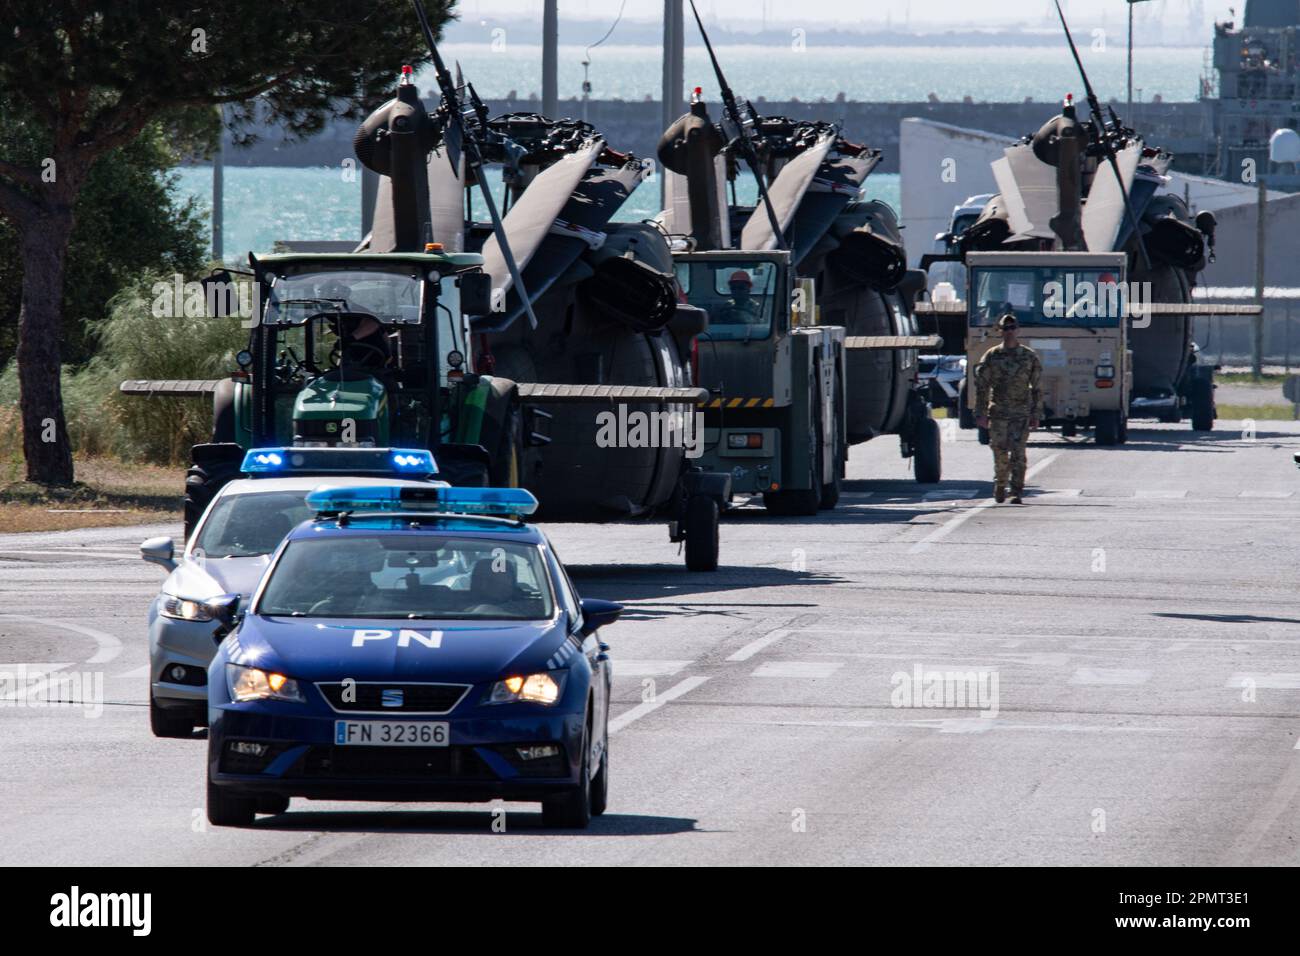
(738,296)
(1090,298)
(247,525)
(407,576)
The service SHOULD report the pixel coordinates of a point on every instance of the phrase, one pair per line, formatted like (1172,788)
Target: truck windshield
(408,576)
(1055,297)
(740,297)
(391,297)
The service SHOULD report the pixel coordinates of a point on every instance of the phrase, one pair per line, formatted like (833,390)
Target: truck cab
(1072,309)
(774,419)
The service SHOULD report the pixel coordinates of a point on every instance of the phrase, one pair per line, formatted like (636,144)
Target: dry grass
(107,493)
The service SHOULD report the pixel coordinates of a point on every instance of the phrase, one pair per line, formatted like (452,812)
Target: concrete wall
(636,126)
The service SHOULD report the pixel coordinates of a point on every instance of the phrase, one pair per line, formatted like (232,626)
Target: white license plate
(392,733)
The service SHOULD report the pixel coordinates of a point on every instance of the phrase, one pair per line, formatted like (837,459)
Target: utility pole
(219,190)
(1129,111)
(1261,211)
(551,59)
(674,70)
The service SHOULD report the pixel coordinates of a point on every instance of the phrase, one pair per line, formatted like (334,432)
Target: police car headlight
(251,683)
(541,688)
(183,609)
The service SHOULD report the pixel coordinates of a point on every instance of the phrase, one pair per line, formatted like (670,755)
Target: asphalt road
(1135,626)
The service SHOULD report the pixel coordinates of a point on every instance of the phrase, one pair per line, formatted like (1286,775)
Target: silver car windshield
(408,576)
(247,525)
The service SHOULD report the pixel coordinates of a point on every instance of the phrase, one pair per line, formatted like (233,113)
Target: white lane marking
(957,521)
(953,494)
(138,673)
(966,725)
(624,667)
(1265,494)
(1178,646)
(646,707)
(1160,493)
(812,669)
(753,647)
(1274,681)
(1109,675)
(49,552)
(109,646)
(1297,745)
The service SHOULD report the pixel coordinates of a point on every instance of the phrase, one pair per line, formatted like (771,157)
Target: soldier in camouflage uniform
(1009,403)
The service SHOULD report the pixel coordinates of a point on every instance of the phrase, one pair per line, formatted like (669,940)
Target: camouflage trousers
(1008,437)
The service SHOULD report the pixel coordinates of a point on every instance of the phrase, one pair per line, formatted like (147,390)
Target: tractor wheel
(701,533)
(223,413)
(214,465)
(1203,405)
(928,453)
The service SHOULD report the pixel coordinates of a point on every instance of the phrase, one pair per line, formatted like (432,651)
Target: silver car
(230,548)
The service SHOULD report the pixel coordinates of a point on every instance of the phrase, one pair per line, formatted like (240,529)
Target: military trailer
(1072,309)
(774,419)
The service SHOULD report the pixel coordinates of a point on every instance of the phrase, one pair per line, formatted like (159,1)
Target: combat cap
(1008,321)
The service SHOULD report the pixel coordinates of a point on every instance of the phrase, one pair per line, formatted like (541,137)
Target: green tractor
(361,349)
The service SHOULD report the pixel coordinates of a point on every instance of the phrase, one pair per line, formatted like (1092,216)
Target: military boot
(999,493)
(1015,496)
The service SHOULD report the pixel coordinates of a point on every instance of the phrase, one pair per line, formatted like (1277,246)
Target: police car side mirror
(596,614)
(224,609)
(159,551)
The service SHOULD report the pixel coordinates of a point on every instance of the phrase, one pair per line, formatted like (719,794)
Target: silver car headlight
(183,609)
(543,688)
(953,363)
(252,683)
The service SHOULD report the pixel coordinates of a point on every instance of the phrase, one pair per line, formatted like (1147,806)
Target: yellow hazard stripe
(740,403)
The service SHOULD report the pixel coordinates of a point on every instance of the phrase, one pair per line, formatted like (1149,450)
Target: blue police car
(411,644)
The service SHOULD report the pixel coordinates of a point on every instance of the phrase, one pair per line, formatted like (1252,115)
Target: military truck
(1073,311)
(774,419)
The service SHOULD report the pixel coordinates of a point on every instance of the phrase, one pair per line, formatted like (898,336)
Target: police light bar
(417,462)
(435,499)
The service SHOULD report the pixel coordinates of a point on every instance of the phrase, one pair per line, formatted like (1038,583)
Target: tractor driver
(363,342)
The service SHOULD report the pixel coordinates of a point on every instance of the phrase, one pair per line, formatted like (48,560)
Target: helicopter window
(391,297)
(1047,297)
(739,296)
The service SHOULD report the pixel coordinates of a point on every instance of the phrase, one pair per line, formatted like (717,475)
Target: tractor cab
(354,349)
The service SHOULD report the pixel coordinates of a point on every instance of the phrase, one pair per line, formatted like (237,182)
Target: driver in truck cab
(742,309)
(364,342)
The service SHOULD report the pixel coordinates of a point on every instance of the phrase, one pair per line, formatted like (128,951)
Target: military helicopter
(809,180)
(1094,185)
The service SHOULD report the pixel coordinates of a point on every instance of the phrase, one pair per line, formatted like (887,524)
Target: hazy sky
(928,13)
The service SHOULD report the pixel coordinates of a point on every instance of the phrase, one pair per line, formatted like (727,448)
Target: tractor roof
(457,261)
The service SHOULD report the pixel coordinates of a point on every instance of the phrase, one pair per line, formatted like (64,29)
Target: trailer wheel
(1106,429)
(1202,404)
(1123,428)
(701,533)
(928,453)
(965,417)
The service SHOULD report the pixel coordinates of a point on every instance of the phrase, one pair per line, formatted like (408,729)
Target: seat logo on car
(404,637)
(391,697)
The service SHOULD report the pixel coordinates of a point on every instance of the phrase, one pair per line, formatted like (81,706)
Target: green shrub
(133,343)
